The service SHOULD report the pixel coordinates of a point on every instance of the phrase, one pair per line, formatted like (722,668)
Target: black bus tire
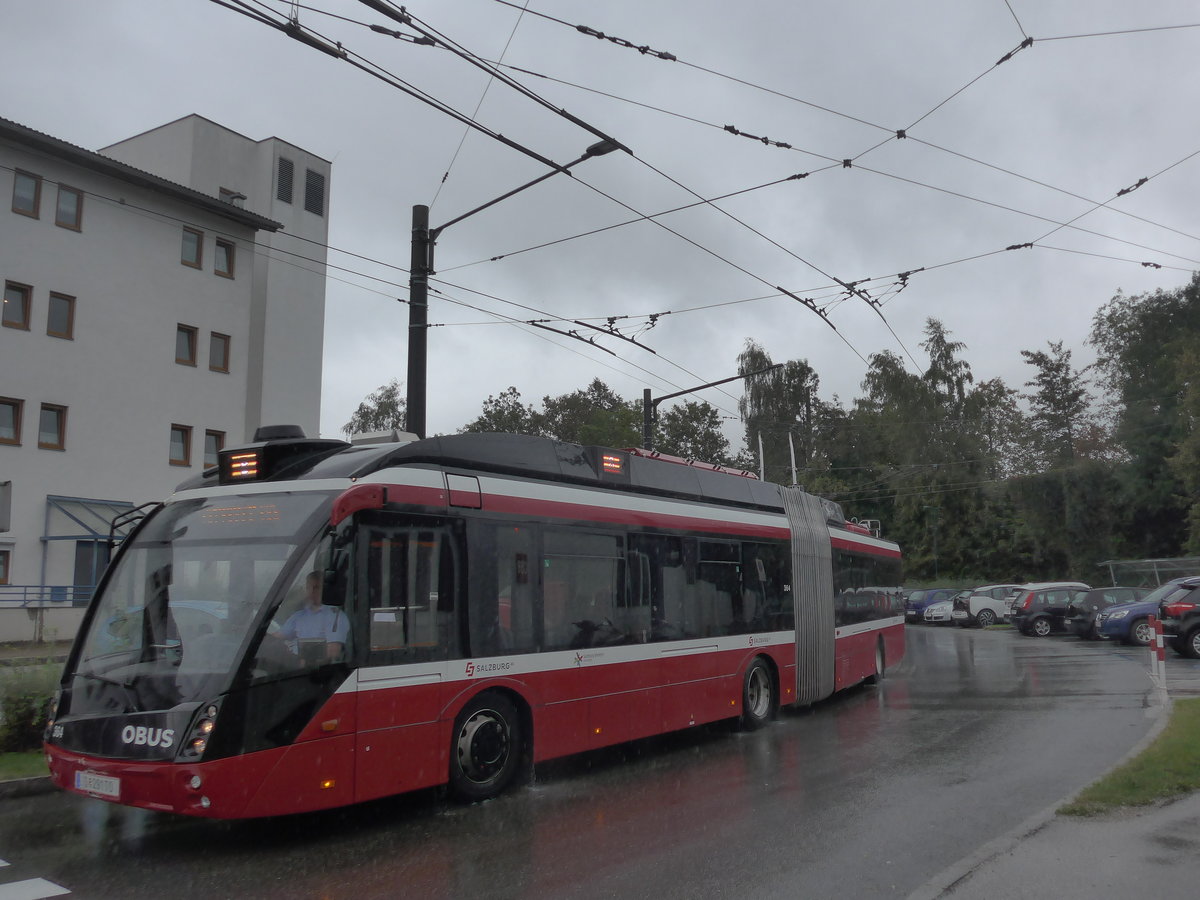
(486,747)
(758,696)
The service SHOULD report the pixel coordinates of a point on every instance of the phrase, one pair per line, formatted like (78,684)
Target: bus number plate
(91,783)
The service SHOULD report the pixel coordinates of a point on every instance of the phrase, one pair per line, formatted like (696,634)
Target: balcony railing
(35,595)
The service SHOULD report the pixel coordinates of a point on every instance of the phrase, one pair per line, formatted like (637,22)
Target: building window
(10,421)
(181,445)
(60,316)
(214,443)
(69,212)
(52,427)
(314,192)
(193,248)
(283,183)
(16,305)
(224,263)
(5,562)
(27,193)
(218,352)
(185,345)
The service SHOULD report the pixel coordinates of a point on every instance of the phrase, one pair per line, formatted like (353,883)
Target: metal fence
(1150,572)
(45,594)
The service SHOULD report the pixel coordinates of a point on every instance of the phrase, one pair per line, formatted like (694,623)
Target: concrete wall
(26,625)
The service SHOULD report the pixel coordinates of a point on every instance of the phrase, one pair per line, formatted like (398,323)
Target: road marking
(31,889)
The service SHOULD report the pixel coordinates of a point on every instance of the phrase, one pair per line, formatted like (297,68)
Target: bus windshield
(173,619)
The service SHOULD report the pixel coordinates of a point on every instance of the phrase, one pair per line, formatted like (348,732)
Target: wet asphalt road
(869,794)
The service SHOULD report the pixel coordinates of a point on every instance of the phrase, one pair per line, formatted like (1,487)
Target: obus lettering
(141,736)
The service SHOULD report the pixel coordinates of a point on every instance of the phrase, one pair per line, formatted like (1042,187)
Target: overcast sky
(997,154)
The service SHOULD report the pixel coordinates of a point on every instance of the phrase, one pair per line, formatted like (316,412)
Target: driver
(316,622)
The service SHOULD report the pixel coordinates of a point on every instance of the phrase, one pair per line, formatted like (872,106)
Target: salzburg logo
(470,669)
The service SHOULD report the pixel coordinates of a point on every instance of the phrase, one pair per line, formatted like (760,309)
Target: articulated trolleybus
(314,623)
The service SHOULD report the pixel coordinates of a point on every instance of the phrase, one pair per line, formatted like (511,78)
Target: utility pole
(419,270)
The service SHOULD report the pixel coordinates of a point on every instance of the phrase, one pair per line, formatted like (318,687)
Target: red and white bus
(490,601)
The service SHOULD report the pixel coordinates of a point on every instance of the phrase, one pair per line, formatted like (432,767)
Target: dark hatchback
(1086,605)
(1181,618)
(1041,609)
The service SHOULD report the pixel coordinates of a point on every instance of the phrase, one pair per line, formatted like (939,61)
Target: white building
(149,320)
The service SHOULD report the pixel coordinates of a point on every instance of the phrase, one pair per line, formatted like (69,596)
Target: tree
(693,430)
(381,410)
(947,375)
(1059,404)
(505,413)
(594,415)
(1143,344)
(780,407)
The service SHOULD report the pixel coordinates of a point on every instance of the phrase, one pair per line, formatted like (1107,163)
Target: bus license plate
(91,783)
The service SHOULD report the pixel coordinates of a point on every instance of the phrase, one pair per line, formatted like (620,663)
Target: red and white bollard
(1158,654)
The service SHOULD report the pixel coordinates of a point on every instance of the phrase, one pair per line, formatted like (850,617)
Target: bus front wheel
(486,747)
(758,696)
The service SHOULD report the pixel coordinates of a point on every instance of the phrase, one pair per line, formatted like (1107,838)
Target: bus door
(407,584)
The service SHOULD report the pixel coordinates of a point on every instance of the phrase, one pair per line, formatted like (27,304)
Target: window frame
(186,432)
(220,445)
(26,291)
(69,334)
(230,248)
(71,225)
(36,212)
(216,338)
(5,565)
(18,408)
(193,341)
(183,258)
(61,413)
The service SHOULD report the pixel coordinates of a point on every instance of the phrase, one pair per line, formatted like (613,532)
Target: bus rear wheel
(758,696)
(486,747)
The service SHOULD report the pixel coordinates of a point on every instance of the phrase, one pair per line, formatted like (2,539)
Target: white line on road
(31,889)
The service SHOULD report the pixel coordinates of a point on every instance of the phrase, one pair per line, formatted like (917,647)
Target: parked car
(1040,609)
(1130,622)
(939,613)
(915,603)
(1086,605)
(983,606)
(1180,613)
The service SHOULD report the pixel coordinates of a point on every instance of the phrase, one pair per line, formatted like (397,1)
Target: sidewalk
(1127,853)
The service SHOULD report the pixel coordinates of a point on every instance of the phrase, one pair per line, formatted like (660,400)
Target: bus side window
(584,580)
(409,577)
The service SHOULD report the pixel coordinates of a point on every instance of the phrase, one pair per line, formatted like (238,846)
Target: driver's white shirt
(327,623)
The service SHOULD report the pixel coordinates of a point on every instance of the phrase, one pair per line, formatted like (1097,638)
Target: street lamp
(650,404)
(421,268)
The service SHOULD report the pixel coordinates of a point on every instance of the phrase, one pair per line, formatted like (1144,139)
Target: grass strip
(22,765)
(1169,767)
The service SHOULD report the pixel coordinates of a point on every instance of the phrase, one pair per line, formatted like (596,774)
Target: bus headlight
(202,729)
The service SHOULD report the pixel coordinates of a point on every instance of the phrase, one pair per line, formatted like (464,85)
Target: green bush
(25,694)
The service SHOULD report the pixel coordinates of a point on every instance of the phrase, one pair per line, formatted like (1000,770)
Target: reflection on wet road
(868,794)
